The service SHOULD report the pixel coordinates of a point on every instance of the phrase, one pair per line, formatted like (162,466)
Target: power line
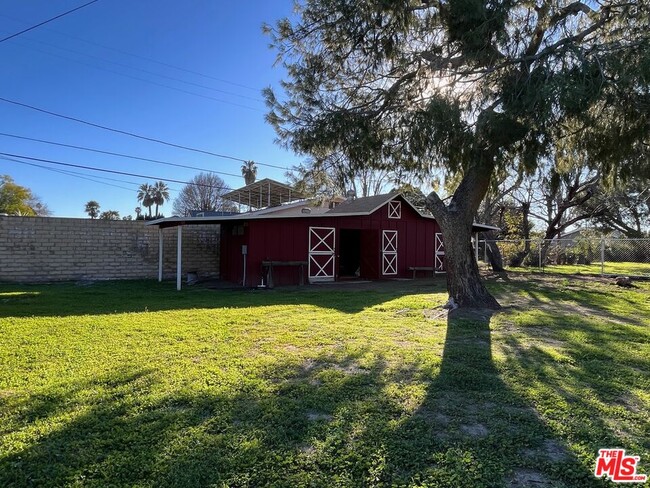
(135,68)
(84,175)
(121,155)
(137,136)
(137,78)
(113,171)
(47,21)
(151,60)
(70,173)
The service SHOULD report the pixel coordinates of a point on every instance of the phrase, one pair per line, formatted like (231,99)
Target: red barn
(377,237)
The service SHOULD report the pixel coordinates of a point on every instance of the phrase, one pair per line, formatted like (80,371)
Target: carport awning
(264,193)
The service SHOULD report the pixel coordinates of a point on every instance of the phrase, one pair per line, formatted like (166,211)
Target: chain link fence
(587,255)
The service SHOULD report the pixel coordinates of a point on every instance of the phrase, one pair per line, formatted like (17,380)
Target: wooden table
(269,265)
(420,268)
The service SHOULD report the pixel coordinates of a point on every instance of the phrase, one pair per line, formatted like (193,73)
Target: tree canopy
(92,209)
(19,200)
(469,86)
(203,193)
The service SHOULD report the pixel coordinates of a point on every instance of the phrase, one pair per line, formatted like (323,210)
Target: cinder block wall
(44,249)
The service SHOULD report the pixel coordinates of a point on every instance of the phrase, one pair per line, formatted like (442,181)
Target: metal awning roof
(264,193)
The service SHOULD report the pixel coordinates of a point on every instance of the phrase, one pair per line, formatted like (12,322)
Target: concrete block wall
(46,249)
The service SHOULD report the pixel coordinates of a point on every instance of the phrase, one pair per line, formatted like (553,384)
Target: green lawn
(609,268)
(135,384)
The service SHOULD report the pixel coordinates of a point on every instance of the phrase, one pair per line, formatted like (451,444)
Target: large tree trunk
(493,252)
(463,278)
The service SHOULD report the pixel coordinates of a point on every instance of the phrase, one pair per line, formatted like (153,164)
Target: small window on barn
(238,230)
(395,209)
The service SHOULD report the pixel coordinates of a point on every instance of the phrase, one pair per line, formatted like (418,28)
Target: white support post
(160,253)
(476,246)
(179,256)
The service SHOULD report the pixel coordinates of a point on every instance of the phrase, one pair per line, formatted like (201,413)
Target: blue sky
(95,64)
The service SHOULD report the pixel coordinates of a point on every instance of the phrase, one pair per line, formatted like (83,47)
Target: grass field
(609,268)
(135,384)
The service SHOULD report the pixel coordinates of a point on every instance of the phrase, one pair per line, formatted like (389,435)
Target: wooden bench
(415,269)
(269,265)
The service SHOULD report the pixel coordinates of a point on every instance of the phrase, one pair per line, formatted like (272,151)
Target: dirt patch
(402,312)
(525,478)
(349,369)
(550,450)
(307,449)
(555,451)
(308,365)
(474,430)
(433,417)
(626,400)
(314,416)
(435,314)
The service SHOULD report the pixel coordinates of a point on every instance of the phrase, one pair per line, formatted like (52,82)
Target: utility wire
(137,136)
(113,171)
(47,21)
(71,173)
(83,175)
(121,155)
(122,65)
(137,78)
(151,60)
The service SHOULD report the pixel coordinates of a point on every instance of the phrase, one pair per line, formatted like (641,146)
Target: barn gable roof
(358,207)
(364,205)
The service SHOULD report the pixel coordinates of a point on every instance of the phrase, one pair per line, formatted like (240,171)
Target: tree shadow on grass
(590,378)
(295,424)
(112,297)
(571,295)
(332,419)
(472,429)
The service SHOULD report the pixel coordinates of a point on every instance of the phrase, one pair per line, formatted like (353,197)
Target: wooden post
(160,254)
(179,256)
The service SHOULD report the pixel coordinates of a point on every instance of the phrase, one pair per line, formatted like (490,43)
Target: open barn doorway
(358,254)
(350,254)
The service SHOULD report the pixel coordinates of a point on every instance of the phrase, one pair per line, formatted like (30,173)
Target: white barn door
(439,254)
(389,252)
(322,243)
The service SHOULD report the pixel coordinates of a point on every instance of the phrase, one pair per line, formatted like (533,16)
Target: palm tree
(160,194)
(145,196)
(249,172)
(92,209)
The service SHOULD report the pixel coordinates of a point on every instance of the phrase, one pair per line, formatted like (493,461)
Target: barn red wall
(231,260)
(288,240)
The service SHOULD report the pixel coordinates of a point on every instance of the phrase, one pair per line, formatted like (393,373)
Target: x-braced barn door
(321,253)
(439,257)
(389,252)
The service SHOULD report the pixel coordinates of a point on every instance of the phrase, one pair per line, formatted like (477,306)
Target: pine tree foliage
(470,86)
